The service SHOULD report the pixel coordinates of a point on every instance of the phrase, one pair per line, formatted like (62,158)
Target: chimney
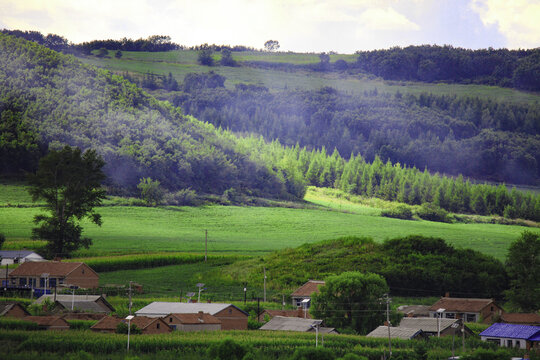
(385,323)
(200,315)
(447,294)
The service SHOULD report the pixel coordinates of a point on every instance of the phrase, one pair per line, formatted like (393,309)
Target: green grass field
(249,230)
(181,62)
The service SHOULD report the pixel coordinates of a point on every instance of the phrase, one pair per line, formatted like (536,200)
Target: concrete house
(520,319)
(46,275)
(109,324)
(396,333)
(193,322)
(432,326)
(281,323)
(512,335)
(80,303)
(14,310)
(231,317)
(302,295)
(470,310)
(10,257)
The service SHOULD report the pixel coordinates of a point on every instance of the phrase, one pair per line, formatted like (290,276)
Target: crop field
(181,62)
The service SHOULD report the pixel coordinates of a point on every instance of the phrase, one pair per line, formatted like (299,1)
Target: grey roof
(84,306)
(415,310)
(64,297)
(282,323)
(395,332)
(11,254)
(159,308)
(427,324)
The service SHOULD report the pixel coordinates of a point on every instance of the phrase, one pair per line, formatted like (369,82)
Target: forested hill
(48,99)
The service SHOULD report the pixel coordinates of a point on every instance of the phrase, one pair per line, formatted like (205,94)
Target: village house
(47,275)
(193,322)
(302,295)
(512,335)
(77,303)
(269,314)
(434,326)
(10,257)
(396,333)
(470,310)
(414,310)
(15,310)
(520,319)
(147,325)
(231,317)
(48,322)
(282,323)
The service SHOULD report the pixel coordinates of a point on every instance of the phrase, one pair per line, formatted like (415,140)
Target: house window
(450,315)
(170,319)
(492,308)
(470,318)
(508,343)
(157,326)
(230,311)
(496,341)
(83,271)
(22,281)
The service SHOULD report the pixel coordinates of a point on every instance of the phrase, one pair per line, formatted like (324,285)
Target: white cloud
(386,19)
(517,20)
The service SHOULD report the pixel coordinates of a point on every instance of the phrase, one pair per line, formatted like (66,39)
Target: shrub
(17,324)
(352,356)
(227,349)
(484,354)
(81,324)
(184,197)
(431,212)
(399,212)
(312,353)
(122,328)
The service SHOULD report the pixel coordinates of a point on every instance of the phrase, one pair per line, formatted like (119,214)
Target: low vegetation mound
(413,265)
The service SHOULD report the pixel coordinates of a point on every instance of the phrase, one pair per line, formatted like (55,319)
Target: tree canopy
(70,183)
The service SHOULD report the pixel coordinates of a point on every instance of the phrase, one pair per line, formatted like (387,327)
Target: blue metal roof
(10,254)
(511,331)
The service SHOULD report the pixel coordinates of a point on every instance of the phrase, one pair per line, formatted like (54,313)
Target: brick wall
(232,319)
(83,277)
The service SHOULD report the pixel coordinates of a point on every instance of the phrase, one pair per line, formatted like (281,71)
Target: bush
(352,356)
(81,324)
(227,349)
(122,328)
(312,353)
(184,197)
(399,212)
(17,324)
(484,354)
(431,212)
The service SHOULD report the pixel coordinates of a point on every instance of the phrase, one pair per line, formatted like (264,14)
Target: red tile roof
(461,304)
(521,318)
(287,313)
(204,318)
(107,323)
(308,288)
(53,268)
(47,320)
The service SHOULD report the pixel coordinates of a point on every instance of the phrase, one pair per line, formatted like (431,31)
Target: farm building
(470,310)
(46,275)
(193,322)
(48,322)
(396,333)
(302,295)
(520,319)
(269,314)
(147,325)
(281,323)
(15,310)
(512,335)
(231,317)
(10,257)
(78,303)
(432,326)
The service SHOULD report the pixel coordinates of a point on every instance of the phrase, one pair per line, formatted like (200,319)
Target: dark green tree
(345,299)
(226,58)
(70,183)
(523,267)
(204,56)
(271,45)
(118,54)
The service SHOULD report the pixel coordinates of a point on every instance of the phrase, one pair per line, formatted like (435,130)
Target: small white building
(10,257)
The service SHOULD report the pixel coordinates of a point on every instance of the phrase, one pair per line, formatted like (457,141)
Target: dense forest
(48,99)
(453,135)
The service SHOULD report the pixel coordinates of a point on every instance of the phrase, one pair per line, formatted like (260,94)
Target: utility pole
(130,302)
(245,293)
(264,298)
(258,309)
(205,245)
(388,300)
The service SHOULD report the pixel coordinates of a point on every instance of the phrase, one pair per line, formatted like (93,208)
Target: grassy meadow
(246,230)
(181,62)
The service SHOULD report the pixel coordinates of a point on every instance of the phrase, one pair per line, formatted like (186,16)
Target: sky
(344,26)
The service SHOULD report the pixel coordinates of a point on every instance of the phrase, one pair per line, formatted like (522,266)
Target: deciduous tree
(70,183)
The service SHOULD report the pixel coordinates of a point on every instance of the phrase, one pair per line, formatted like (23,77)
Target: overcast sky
(299,25)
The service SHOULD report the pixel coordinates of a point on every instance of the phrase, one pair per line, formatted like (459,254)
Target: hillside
(482,132)
(48,99)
